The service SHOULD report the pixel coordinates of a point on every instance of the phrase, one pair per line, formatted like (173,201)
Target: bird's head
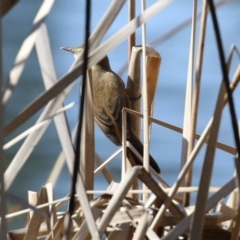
(74,50)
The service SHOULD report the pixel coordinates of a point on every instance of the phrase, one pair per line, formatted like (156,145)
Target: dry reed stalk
(191,158)
(83,233)
(219,145)
(183,226)
(133,82)
(88,225)
(104,24)
(142,227)
(58,203)
(29,144)
(188,102)
(83,200)
(103,164)
(173,31)
(25,50)
(48,95)
(197,223)
(146,132)
(50,77)
(32,200)
(36,219)
(87,150)
(198,217)
(132,37)
(134,87)
(35,127)
(124,142)
(196,92)
(105,171)
(76,69)
(114,203)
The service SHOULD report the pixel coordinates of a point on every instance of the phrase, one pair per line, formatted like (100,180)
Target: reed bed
(124,210)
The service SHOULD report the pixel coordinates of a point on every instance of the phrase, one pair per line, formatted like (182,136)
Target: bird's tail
(134,140)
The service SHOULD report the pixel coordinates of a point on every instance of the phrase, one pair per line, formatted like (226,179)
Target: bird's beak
(68,49)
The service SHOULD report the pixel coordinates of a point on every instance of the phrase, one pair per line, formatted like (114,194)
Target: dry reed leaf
(36,219)
(133,84)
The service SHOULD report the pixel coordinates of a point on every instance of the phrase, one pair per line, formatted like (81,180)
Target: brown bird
(109,98)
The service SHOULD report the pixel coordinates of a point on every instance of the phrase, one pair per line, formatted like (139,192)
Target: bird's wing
(108,112)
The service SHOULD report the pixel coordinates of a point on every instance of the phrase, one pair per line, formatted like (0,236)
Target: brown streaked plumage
(109,98)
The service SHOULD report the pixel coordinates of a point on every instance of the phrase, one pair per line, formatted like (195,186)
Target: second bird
(109,98)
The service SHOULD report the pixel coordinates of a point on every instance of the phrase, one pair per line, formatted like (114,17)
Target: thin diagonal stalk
(225,76)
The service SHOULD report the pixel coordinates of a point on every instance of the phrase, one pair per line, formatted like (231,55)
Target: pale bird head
(74,50)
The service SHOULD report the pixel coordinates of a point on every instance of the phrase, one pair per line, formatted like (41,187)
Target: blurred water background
(66,28)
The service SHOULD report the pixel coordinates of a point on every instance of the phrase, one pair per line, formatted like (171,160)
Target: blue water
(66,28)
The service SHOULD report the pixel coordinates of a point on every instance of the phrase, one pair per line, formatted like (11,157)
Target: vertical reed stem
(188,99)
(132,37)
(145,102)
(196,94)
